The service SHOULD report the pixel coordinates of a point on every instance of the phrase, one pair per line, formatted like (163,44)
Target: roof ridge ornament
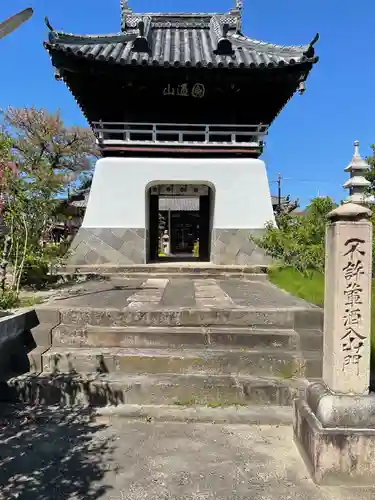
(48,24)
(142,42)
(52,36)
(310,51)
(224,45)
(237,12)
(125,7)
(126,12)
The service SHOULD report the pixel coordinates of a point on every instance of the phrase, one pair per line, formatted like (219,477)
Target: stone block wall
(116,246)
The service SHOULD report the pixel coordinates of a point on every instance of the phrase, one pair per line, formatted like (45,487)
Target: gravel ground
(58,454)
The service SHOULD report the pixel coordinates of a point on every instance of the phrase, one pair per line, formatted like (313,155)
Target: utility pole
(279,191)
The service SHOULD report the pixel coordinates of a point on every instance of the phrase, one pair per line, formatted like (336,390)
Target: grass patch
(310,287)
(30,301)
(186,402)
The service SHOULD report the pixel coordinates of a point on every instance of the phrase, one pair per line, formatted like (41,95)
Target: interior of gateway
(179,222)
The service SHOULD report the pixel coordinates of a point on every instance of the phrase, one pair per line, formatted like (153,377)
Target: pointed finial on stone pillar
(356,148)
(358,184)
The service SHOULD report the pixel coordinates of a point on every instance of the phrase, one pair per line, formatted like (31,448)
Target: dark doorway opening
(179,223)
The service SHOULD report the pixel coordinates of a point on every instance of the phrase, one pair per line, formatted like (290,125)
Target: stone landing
(174,341)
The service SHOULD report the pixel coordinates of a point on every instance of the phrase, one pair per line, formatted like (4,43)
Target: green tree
(51,157)
(40,159)
(298,240)
(371,174)
(44,148)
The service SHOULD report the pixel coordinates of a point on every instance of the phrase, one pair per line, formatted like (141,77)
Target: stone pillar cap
(350,211)
(357,162)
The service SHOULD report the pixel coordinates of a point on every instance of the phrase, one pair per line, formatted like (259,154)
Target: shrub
(298,240)
(35,271)
(9,299)
(37,268)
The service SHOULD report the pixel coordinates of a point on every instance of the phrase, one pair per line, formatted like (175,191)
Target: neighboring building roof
(174,40)
(80,203)
(275,200)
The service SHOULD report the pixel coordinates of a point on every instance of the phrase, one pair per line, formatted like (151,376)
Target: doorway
(179,222)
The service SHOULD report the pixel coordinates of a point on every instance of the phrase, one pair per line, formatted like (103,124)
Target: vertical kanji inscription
(353,339)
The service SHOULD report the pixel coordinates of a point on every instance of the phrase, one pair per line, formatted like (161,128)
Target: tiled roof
(275,200)
(200,40)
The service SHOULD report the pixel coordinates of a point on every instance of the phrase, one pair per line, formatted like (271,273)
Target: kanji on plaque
(353,340)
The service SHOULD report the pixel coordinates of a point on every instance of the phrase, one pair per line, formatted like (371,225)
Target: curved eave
(120,53)
(56,37)
(267,47)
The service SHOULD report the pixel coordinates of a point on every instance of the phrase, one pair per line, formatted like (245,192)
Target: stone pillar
(334,425)
(347,303)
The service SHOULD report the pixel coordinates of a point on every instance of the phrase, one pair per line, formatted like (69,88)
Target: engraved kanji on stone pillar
(348,278)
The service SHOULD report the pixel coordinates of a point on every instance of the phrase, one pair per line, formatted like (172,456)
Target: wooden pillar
(153,232)
(204,228)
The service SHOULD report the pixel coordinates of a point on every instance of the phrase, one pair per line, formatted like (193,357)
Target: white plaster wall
(117,198)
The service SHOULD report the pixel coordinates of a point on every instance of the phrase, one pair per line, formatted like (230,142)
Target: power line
(302,181)
(311,181)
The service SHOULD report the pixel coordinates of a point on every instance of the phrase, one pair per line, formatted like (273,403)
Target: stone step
(311,340)
(251,317)
(256,277)
(213,361)
(211,413)
(36,358)
(166,389)
(170,269)
(42,334)
(313,364)
(173,337)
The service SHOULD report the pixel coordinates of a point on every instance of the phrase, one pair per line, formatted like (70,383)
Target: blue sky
(310,143)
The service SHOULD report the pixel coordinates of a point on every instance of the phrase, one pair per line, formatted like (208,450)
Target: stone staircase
(178,340)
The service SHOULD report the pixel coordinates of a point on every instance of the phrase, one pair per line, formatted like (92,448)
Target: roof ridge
(174,14)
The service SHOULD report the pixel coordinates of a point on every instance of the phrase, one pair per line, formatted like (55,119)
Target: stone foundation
(124,246)
(234,247)
(113,246)
(336,436)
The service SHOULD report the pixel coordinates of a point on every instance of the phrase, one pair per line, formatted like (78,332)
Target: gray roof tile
(181,40)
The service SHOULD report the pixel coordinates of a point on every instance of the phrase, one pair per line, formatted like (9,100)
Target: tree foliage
(47,151)
(371,174)
(40,158)
(298,240)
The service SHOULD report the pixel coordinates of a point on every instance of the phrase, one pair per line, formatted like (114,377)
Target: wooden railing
(118,133)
